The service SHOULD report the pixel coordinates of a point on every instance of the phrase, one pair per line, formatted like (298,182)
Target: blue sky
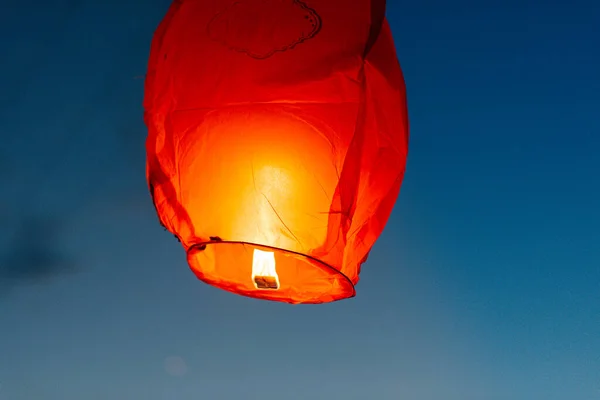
(485,284)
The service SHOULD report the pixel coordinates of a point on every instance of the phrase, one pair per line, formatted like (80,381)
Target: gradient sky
(485,284)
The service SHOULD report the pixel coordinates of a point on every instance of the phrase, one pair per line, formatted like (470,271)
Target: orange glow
(277,141)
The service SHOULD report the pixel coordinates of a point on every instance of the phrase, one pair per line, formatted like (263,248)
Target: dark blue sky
(485,284)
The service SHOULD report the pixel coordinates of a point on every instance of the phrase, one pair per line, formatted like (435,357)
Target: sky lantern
(277,141)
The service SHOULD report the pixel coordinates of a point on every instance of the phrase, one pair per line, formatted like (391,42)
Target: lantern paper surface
(277,141)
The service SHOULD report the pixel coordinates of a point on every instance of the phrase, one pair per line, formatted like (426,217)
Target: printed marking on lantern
(241,26)
(264,273)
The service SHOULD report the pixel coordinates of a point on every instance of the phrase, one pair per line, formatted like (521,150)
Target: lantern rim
(344,290)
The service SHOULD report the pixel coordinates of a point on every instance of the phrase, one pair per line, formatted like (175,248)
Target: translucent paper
(279,126)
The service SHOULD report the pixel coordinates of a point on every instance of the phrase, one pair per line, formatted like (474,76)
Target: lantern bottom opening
(300,279)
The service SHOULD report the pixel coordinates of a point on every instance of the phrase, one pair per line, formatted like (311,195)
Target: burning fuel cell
(264,273)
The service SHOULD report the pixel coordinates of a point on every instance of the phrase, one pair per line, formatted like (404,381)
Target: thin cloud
(33,255)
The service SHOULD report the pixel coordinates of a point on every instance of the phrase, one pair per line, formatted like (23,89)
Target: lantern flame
(264,274)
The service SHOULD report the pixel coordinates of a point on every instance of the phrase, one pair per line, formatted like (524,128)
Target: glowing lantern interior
(269,202)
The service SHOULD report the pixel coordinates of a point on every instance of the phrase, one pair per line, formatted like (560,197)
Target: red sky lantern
(278,136)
